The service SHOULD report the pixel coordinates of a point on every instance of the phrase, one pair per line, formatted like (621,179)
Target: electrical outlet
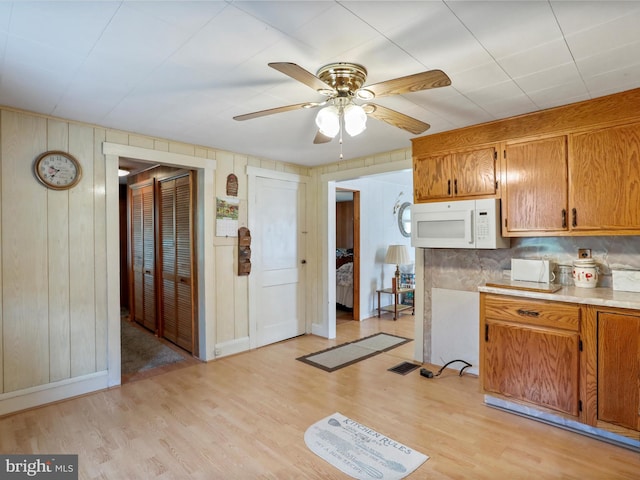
(584,253)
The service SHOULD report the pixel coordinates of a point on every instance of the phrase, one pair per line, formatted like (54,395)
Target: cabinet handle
(455,186)
(486,332)
(528,313)
(448,187)
(564,218)
(574,215)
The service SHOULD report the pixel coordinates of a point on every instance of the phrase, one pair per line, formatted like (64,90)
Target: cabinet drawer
(565,316)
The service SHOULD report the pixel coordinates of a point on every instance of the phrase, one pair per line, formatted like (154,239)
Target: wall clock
(57,170)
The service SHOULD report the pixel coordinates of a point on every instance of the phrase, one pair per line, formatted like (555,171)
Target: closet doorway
(162,275)
(347,254)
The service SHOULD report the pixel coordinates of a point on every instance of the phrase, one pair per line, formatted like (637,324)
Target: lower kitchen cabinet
(530,351)
(615,361)
(533,364)
(575,360)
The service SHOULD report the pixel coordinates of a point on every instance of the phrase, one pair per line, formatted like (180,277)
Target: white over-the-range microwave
(457,224)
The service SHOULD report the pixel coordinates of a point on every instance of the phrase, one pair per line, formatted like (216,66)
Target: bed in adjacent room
(344,278)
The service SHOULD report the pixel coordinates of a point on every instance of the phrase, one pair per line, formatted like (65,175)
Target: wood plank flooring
(244,416)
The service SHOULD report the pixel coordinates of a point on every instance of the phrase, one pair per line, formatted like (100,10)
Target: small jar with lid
(585,273)
(564,275)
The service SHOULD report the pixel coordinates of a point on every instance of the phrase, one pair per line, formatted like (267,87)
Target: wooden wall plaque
(244,251)
(232,185)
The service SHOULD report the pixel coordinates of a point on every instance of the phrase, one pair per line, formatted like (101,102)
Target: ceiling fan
(342,84)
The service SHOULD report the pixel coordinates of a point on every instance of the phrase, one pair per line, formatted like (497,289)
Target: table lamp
(397,255)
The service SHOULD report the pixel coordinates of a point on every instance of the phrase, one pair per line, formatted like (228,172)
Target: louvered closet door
(143,257)
(177,261)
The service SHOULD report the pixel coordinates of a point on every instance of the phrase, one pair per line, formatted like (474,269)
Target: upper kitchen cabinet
(569,170)
(534,196)
(458,175)
(604,186)
(592,187)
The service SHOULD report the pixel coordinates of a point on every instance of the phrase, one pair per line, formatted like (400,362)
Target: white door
(278,260)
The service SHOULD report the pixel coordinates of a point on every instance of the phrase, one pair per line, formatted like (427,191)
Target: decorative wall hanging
(227,217)
(244,251)
(232,185)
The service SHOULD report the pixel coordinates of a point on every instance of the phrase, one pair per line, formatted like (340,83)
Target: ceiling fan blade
(396,119)
(321,138)
(301,75)
(271,111)
(410,83)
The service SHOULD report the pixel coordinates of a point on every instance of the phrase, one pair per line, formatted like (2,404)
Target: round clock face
(57,170)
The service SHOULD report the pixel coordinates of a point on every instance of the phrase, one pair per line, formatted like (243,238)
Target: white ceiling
(182,70)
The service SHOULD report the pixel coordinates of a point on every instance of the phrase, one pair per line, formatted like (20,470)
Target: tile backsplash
(458,269)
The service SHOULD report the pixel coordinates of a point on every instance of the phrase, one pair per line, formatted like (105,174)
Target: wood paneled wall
(52,244)
(53,281)
(53,262)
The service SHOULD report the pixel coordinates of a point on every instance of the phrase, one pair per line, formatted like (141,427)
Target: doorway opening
(378,193)
(347,255)
(157,271)
(204,171)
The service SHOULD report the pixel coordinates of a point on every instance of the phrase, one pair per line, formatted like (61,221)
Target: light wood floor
(244,416)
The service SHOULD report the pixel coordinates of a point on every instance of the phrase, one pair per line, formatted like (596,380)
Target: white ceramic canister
(585,273)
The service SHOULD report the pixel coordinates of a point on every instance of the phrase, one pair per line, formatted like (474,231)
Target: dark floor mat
(404,368)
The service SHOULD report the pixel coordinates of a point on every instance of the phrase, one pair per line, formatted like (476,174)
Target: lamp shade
(328,121)
(355,119)
(397,255)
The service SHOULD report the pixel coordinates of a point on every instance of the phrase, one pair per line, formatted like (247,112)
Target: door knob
(303,261)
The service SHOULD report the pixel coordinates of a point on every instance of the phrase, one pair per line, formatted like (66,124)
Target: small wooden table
(396,307)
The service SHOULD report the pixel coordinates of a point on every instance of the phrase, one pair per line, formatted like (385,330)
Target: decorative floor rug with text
(359,451)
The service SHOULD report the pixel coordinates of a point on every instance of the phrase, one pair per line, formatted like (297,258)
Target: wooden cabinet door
(344,224)
(534,364)
(143,257)
(432,178)
(534,197)
(619,369)
(604,183)
(474,172)
(459,174)
(176,246)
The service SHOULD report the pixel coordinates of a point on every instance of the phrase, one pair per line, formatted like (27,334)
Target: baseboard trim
(561,422)
(319,329)
(52,392)
(232,347)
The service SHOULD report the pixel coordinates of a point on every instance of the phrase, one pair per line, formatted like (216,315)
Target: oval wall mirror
(404,219)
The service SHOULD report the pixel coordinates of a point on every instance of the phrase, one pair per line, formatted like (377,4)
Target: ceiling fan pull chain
(341,125)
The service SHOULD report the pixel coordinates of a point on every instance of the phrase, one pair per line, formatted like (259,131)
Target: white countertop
(585,296)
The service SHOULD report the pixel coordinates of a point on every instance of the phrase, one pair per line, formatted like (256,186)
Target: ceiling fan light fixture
(364,94)
(355,119)
(328,121)
(326,92)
